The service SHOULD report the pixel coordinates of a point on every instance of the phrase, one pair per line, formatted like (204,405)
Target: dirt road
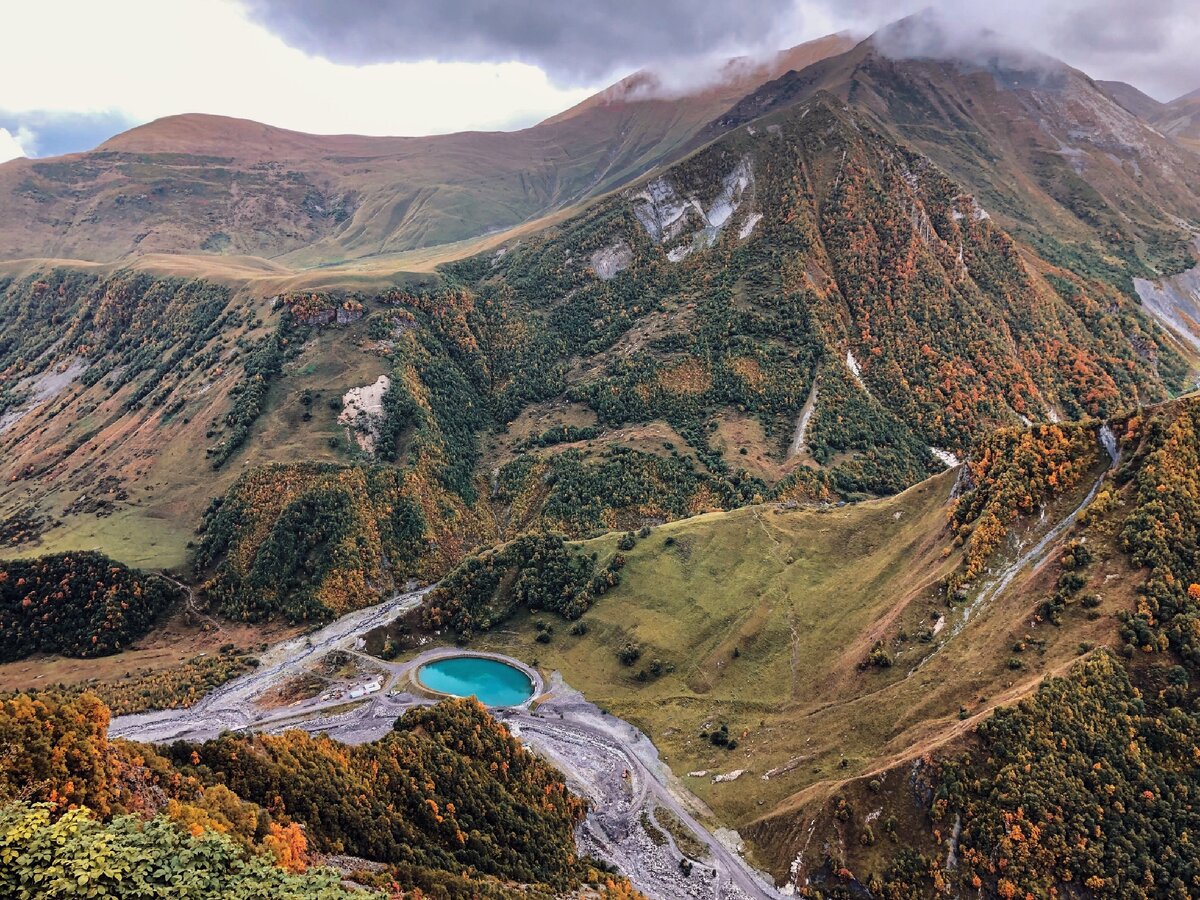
(233,705)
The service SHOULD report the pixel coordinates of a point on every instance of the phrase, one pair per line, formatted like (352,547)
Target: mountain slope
(1060,164)
(208,184)
(763,319)
(985,682)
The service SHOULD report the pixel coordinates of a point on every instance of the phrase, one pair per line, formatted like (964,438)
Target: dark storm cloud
(1150,43)
(50,133)
(574,41)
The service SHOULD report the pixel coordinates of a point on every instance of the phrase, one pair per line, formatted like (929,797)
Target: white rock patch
(667,216)
(810,404)
(945,456)
(43,387)
(852,365)
(661,211)
(362,412)
(608,261)
(728,776)
(978,213)
(748,226)
(733,186)
(1175,302)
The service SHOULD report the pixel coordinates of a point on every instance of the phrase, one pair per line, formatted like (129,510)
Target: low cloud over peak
(1150,43)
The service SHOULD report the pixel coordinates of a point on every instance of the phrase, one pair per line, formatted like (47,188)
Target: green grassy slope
(775,624)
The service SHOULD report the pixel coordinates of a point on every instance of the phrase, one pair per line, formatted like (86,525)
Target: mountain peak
(725,84)
(204,134)
(932,35)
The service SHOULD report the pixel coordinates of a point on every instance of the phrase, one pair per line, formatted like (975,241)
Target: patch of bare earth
(362,412)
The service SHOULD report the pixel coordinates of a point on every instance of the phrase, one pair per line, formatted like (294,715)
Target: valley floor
(640,815)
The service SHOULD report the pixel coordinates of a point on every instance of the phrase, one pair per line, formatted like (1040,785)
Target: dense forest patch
(1162,533)
(533,572)
(310,541)
(78,604)
(79,855)
(1087,783)
(1013,473)
(448,803)
(449,789)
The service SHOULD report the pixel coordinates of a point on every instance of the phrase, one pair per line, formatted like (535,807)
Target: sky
(422,67)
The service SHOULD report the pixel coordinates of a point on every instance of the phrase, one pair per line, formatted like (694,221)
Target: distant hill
(210,184)
(1141,105)
(1181,117)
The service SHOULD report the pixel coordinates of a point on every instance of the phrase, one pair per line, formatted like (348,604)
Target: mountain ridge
(195,183)
(841,450)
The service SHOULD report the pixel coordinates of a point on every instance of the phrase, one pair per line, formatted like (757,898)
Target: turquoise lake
(492,682)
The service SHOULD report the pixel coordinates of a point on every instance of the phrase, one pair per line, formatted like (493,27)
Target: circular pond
(492,682)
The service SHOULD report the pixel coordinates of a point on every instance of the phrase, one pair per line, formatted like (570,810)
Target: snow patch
(798,862)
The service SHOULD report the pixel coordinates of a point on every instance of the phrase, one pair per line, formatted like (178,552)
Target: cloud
(420,67)
(1149,43)
(136,60)
(13,146)
(574,43)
